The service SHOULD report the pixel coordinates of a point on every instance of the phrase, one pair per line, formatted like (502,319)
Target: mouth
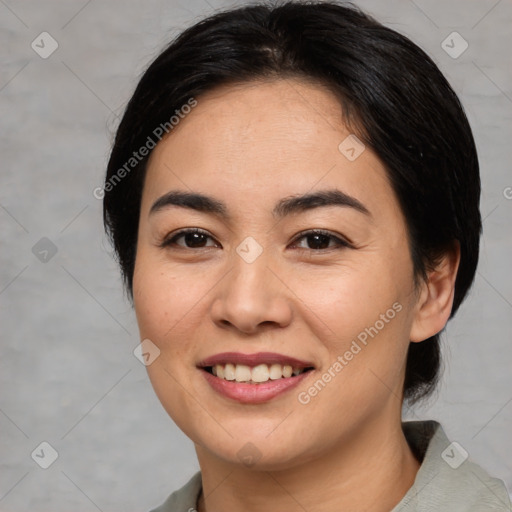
(257,374)
(253,378)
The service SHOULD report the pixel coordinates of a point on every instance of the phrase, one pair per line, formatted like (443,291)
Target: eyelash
(340,242)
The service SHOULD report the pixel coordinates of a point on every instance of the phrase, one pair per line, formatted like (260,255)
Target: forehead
(263,139)
(261,117)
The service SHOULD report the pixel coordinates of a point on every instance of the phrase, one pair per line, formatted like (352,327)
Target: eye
(318,239)
(193,239)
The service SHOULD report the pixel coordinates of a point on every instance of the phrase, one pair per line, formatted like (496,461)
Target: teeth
(229,371)
(242,373)
(257,374)
(276,371)
(260,373)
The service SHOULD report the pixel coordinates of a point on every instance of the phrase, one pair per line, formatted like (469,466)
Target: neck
(371,472)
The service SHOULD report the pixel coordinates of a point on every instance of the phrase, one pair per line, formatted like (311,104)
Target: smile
(256,375)
(253,378)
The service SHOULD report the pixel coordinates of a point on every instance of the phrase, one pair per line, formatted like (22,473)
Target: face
(268,281)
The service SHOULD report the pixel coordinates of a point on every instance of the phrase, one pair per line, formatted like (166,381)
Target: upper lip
(254,359)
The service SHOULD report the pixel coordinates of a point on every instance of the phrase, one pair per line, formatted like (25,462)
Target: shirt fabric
(447,481)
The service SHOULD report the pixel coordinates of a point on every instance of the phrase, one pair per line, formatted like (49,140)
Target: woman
(293,198)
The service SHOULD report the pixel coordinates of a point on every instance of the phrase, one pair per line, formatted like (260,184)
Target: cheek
(348,300)
(165,298)
(166,302)
(363,315)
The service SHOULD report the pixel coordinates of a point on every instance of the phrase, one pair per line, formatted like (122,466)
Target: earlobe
(436,297)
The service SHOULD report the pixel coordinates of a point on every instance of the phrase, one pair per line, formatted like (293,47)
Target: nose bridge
(250,281)
(251,272)
(251,295)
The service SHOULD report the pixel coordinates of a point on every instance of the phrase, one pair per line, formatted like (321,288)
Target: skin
(249,146)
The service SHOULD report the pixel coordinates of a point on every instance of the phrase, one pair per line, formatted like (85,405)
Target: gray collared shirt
(447,480)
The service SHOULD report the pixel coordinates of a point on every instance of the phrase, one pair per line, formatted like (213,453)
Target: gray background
(67,371)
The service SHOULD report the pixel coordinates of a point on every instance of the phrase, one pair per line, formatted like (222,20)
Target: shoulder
(184,499)
(447,478)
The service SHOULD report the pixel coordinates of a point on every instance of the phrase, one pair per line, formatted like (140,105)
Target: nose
(251,298)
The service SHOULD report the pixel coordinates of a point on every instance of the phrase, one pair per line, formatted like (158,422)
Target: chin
(256,450)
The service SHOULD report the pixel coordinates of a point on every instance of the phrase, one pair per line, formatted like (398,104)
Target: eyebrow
(286,206)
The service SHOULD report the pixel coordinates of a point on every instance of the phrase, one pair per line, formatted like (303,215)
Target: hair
(393,97)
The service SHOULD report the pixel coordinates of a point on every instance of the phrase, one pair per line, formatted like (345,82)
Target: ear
(436,297)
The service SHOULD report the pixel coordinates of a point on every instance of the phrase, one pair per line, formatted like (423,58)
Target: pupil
(195,239)
(324,241)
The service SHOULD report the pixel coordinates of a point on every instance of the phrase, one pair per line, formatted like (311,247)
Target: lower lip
(253,393)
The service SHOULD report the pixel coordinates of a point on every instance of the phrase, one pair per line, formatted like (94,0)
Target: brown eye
(319,239)
(192,239)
